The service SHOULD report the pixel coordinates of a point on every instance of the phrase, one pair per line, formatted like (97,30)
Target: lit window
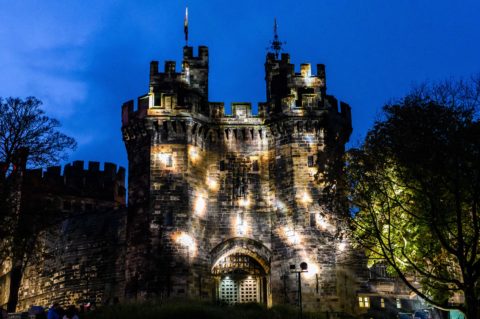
(364,302)
(382,302)
(399,303)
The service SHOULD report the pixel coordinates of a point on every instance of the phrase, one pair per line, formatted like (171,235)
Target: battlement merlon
(283,68)
(200,60)
(184,93)
(107,184)
(191,80)
(289,89)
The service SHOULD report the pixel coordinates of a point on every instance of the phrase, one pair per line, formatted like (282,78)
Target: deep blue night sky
(85,58)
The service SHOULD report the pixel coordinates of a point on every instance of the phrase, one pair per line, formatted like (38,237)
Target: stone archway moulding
(246,246)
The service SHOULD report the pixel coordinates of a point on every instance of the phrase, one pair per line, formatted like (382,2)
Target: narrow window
(168,218)
(168,161)
(382,302)
(222,166)
(399,303)
(168,101)
(255,166)
(310,161)
(157,99)
(313,220)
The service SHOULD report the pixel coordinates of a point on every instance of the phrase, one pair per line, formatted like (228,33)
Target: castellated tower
(227,207)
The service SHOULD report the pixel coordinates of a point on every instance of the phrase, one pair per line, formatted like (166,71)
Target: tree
(28,138)
(415,192)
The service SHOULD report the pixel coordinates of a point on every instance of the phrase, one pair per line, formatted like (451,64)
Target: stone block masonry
(79,254)
(222,206)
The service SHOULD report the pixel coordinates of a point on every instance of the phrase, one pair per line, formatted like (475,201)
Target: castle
(228,206)
(236,207)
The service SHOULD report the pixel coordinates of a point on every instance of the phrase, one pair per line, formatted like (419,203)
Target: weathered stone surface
(204,186)
(79,258)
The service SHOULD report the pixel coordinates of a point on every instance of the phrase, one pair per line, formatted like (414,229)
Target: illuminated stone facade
(78,257)
(220,206)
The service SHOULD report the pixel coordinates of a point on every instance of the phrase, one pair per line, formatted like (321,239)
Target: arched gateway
(241,268)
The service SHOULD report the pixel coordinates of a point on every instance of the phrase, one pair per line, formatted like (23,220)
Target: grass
(196,310)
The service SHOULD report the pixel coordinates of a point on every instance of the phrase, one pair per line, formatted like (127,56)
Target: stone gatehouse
(221,207)
(227,206)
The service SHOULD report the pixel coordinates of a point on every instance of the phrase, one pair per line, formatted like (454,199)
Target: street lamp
(293,269)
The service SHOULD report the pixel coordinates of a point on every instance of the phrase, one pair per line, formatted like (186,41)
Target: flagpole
(185,26)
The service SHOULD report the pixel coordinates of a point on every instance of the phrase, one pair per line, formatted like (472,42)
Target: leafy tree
(27,138)
(415,192)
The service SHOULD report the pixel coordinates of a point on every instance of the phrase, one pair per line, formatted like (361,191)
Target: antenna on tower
(276,44)
(185,26)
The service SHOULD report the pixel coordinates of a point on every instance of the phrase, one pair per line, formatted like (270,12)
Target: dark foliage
(415,184)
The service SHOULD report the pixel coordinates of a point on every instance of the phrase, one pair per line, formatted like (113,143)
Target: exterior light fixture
(306,198)
(200,205)
(322,223)
(185,239)
(187,242)
(165,159)
(243,202)
(212,183)
(291,235)
(304,266)
(193,153)
(293,269)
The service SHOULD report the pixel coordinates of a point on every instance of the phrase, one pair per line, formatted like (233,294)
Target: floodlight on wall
(290,235)
(244,202)
(212,183)
(306,198)
(322,223)
(187,242)
(193,153)
(240,226)
(200,206)
(165,159)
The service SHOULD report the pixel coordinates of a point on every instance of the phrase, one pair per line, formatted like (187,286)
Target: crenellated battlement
(185,93)
(76,180)
(294,93)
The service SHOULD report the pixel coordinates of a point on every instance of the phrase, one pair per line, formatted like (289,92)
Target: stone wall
(201,181)
(80,249)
